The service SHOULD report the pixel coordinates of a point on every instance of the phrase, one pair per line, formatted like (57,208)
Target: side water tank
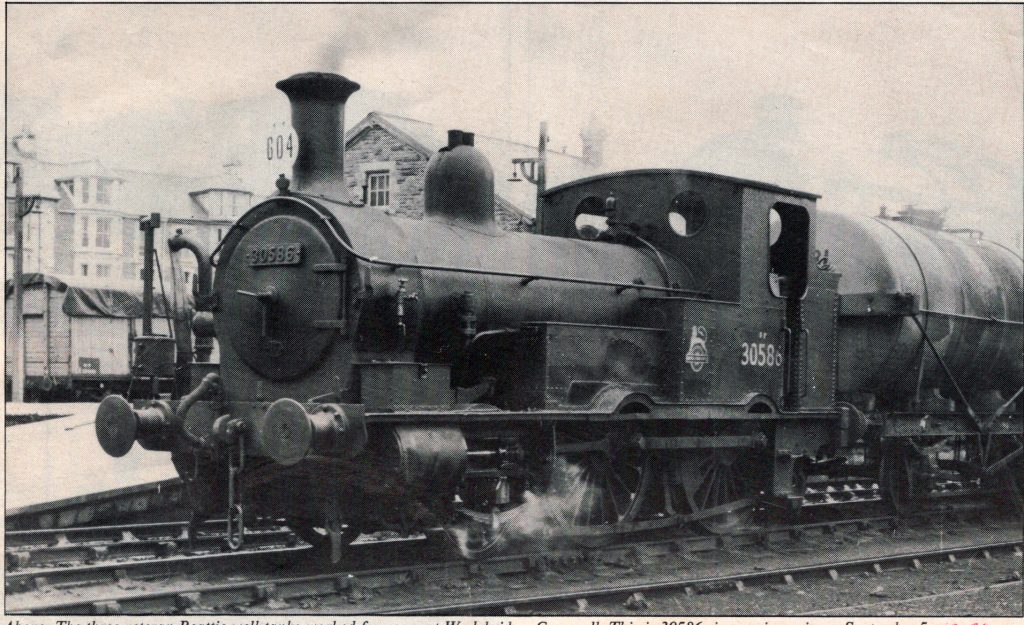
(970,294)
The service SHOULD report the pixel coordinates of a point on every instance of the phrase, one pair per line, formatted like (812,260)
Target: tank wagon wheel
(719,478)
(1008,482)
(897,477)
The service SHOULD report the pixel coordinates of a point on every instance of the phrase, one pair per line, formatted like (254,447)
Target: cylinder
(430,458)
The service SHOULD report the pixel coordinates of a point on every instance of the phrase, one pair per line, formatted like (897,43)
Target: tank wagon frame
(670,347)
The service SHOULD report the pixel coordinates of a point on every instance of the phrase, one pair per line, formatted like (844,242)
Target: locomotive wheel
(603,492)
(486,534)
(721,477)
(318,537)
(609,491)
(718,477)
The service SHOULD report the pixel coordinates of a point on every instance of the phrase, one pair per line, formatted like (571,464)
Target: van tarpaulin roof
(34,279)
(92,301)
(97,302)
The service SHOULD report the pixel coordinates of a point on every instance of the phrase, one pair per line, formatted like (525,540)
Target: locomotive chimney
(318,116)
(459,183)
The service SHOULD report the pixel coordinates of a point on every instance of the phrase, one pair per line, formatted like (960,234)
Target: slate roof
(428,138)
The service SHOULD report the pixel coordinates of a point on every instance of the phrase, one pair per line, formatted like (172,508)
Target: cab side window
(591,220)
(788,227)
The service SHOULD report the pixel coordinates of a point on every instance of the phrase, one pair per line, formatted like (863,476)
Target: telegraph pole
(21,208)
(542,166)
(534,170)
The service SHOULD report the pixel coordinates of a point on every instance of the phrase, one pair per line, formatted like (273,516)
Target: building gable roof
(427,139)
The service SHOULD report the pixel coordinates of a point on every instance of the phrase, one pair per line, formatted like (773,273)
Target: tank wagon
(670,347)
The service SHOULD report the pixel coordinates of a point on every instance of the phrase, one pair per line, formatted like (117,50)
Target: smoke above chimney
(318,117)
(593,136)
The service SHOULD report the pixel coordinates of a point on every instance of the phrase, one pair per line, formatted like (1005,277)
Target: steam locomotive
(669,348)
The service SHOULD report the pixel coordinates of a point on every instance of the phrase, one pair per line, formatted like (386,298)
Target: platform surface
(45,409)
(60,459)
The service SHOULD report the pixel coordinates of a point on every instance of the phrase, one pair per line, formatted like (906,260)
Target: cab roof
(683,172)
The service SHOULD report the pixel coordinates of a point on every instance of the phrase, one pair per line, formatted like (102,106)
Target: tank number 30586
(760,354)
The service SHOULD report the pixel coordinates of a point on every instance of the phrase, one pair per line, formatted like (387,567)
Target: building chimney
(318,117)
(25,143)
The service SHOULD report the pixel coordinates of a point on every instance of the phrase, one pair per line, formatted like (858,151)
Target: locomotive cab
(748,246)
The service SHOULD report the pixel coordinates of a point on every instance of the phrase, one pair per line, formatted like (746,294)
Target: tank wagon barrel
(968,299)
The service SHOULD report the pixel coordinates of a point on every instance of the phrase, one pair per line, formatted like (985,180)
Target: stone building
(386,158)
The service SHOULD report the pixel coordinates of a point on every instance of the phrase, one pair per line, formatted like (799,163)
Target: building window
(102,231)
(69,184)
(102,271)
(85,270)
(236,201)
(85,232)
(220,234)
(377,188)
(85,190)
(103,190)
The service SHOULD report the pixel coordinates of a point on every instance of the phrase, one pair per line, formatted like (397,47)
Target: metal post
(148,225)
(537,173)
(18,351)
(542,155)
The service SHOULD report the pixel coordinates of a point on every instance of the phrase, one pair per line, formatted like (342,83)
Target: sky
(865,105)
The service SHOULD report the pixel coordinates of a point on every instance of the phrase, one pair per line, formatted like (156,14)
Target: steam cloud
(540,518)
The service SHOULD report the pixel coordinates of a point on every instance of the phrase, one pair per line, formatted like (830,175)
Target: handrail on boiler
(524,277)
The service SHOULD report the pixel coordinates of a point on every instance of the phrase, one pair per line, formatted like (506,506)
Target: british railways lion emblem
(697,355)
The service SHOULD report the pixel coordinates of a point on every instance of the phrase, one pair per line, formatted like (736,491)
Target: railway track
(128,546)
(105,534)
(356,574)
(567,602)
(46,565)
(31,554)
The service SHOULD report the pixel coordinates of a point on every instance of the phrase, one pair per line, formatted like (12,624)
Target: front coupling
(119,425)
(287,432)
